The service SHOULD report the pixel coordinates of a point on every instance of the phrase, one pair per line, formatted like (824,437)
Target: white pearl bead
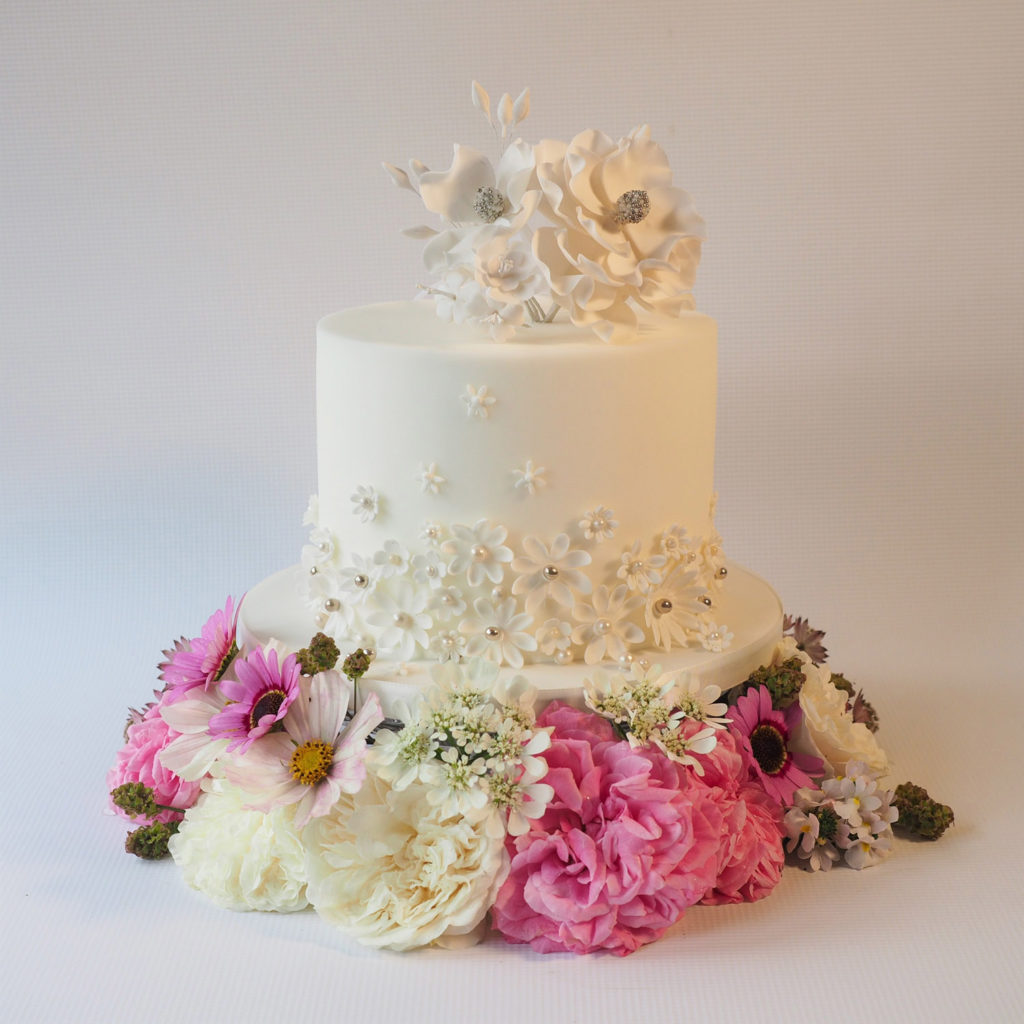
(602,626)
(480,553)
(563,657)
(492,632)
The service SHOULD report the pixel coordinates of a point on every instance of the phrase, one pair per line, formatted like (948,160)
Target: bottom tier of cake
(275,609)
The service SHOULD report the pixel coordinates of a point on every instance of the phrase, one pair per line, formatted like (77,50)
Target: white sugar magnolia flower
(403,621)
(605,628)
(600,524)
(550,572)
(389,869)
(498,632)
(478,551)
(241,859)
(622,235)
(641,572)
(672,609)
(365,503)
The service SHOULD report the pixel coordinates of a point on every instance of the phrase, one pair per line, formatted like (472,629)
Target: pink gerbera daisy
(764,736)
(259,696)
(204,659)
(316,758)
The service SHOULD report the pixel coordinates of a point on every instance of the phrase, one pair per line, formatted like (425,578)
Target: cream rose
(241,859)
(391,870)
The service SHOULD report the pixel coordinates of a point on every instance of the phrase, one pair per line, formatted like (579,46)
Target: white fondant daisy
(432,533)
(478,401)
(550,572)
(498,632)
(403,621)
(431,479)
(641,572)
(714,637)
(320,549)
(478,552)
(333,612)
(358,578)
(391,560)
(530,478)
(365,503)
(671,610)
(448,646)
(600,524)
(429,569)
(604,626)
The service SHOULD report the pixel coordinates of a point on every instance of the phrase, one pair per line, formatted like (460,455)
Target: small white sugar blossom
(554,636)
(391,560)
(365,503)
(357,579)
(447,645)
(640,571)
(714,637)
(429,568)
(431,479)
(605,627)
(403,621)
(599,524)
(432,533)
(478,401)
(447,604)
(529,478)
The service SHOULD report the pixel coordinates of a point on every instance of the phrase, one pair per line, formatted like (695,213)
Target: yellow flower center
(311,762)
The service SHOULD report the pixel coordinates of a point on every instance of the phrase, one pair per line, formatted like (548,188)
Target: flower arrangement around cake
(275,784)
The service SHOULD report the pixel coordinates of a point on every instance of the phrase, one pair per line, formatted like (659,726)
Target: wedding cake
(513,681)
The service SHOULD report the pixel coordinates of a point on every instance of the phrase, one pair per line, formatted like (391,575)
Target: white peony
(241,859)
(831,728)
(390,870)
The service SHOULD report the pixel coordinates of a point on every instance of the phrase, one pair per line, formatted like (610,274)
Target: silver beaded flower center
(489,203)
(632,206)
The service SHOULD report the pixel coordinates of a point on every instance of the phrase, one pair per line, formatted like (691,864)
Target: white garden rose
(388,868)
(831,728)
(241,859)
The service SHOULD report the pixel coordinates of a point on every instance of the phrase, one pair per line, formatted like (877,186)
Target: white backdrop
(186,188)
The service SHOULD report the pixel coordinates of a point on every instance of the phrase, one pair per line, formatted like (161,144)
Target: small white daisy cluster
(472,590)
(849,817)
(472,742)
(672,711)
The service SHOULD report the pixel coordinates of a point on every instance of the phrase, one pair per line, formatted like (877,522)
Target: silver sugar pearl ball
(360,580)
(636,567)
(550,572)
(479,552)
(625,660)
(321,621)
(449,600)
(432,571)
(332,604)
(492,632)
(563,657)
(706,601)
(498,593)
(662,607)
(403,620)
(313,570)
(723,572)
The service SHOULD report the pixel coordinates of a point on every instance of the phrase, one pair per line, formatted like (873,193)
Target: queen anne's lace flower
(240,858)
(479,552)
(605,628)
(498,632)
(550,572)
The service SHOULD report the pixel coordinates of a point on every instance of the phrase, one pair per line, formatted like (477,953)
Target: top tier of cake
(567,476)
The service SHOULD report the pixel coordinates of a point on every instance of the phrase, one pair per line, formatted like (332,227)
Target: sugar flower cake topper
(591,226)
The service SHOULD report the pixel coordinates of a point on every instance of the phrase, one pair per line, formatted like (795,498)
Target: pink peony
(751,856)
(204,659)
(627,843)
(137,762)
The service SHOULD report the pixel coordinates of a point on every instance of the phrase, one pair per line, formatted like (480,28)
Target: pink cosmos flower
(260,696)
(626,844)
(764,736)
(137,761)
(202,660)
(316,758)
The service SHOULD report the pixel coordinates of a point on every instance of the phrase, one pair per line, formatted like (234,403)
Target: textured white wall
(187,187)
